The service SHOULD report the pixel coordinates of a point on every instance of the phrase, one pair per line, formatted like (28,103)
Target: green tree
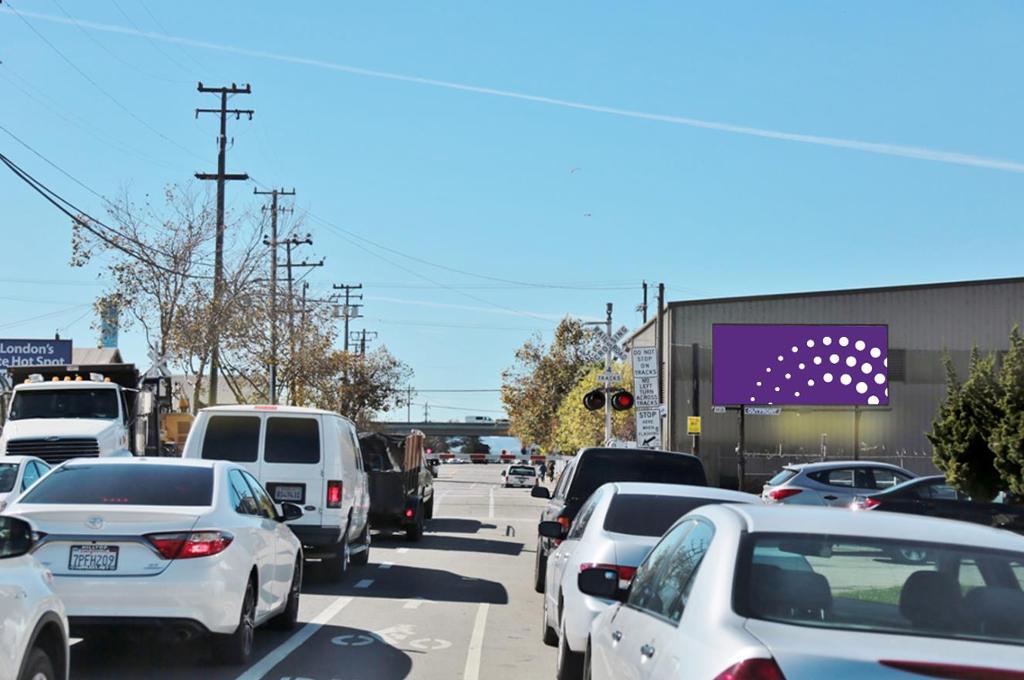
(577,427)
(1008,437)
(534,387)
(963,428)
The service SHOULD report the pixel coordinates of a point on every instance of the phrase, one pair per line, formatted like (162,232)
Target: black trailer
(401,485)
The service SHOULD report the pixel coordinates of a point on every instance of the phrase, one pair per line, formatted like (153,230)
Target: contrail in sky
(919,153)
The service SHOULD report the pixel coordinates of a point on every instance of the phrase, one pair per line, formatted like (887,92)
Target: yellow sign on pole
(693,425)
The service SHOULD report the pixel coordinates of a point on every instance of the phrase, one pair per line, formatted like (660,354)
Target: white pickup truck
(58,413)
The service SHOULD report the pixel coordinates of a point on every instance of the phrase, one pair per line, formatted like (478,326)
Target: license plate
(287,492)
(93,558)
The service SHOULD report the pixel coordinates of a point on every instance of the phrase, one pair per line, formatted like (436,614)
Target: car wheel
(236,648)
(337,567)
(415,531)
(289,617)
(550,635)
(540,566)
(38,666)
(570,663)
(362,558)
(430,508)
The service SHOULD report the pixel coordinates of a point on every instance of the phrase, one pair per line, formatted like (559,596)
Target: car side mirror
(599,583)
(15,537)
(540,492)
(146,402)
(551,530)
(290,511)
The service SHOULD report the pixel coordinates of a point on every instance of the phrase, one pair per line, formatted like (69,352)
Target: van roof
(269,408)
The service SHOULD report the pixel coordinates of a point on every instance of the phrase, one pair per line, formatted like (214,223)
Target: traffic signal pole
(608,369)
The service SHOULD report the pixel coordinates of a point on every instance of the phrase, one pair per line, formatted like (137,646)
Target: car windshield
(8,475)
(69,403)
(140,483)
(599,467)
(883,585)
(647,515)
(524,470)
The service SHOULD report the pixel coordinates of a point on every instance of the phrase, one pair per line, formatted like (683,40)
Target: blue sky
(486,184)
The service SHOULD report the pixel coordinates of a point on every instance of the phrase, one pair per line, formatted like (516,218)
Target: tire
(430,509)
(289,617)
(236,648)
(38,666)
(570,663)
(337,567)
(549,635)
(540,566)
(415,532)
(362,558)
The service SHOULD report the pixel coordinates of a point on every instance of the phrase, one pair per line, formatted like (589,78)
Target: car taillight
(626,574)
(185,545)
(783,494)
(334,494)
(870,503)
(753,669)
(957,672)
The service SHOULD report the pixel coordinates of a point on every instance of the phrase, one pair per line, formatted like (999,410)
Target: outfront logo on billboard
(34,352)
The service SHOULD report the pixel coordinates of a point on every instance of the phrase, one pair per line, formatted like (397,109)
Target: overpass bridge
(443,429)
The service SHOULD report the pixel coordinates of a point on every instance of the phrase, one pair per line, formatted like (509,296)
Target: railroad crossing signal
(621,400)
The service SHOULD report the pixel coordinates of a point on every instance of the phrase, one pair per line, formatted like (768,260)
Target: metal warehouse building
(924,321)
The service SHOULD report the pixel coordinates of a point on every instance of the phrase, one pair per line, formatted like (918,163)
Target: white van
(304,456)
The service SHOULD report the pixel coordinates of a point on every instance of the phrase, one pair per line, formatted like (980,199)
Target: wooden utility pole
(289,244)
(221,177)
(273,243)
(349,311)
(362,337)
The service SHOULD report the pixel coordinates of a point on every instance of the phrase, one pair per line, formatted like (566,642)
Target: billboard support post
(856,432)
(741,458)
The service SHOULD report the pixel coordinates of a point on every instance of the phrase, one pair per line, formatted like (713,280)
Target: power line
(458,390)
(152,42)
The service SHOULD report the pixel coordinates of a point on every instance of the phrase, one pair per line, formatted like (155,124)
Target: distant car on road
(833,483)
(18,473)
(34,643)
(193,547)
(748,592)
(592,467)
(934,497)
(519,476)
(614,530)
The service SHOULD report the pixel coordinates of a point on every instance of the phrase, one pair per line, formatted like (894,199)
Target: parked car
(401,485)
(191,546)
(615,529)
(749,592)
(833,483)
(34,643)
(18,473)
(305,456)
(592,467)
(519,476)
(934,497)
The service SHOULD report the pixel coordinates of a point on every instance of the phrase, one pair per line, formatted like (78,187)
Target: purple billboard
(800,365)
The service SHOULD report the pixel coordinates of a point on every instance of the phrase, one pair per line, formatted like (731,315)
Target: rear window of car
(234,438)
(127,484)
(646,515)
(523,470)
(8,475)
(292,440)
(782,476)
(598,467)
(883,585)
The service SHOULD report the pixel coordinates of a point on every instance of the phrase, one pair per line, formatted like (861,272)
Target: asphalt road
(458,604)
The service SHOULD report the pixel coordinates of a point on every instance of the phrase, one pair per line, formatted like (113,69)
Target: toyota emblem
(94,522)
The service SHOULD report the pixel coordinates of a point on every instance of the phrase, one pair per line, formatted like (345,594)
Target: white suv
(34,645)
(305,456)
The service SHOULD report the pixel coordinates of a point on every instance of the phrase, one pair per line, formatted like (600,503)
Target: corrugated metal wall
(923,323)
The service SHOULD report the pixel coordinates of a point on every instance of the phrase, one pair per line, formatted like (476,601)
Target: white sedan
(17,473)
(192,545)
(614,530)
(744,592)
(34,639)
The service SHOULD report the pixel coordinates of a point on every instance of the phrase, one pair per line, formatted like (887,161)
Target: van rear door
(293,462)
(227,436)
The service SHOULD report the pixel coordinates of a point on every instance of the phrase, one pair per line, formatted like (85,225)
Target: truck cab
(70,415)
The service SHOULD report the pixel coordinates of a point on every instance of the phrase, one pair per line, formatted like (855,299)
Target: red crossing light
(622,400)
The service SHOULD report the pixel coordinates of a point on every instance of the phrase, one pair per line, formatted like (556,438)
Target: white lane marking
(385,565)
(438,497)
(365,583)
(402,551)
(276,656)
(490,505)
(415,603)
(476,644)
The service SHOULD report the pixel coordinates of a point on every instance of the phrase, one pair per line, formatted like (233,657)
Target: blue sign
(34,353)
